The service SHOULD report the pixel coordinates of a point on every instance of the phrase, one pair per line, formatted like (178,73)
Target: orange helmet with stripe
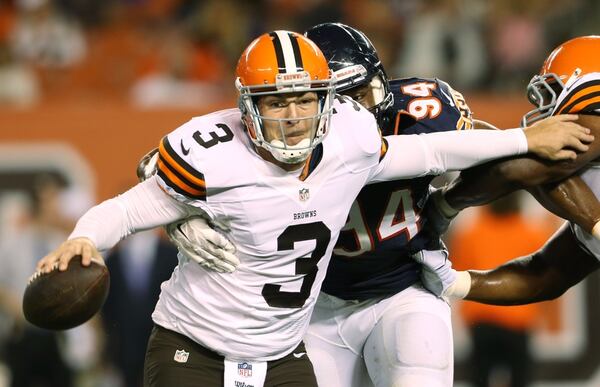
(570,60)
(284,62)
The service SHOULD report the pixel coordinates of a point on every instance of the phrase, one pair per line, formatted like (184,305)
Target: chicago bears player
(568,83)
(270,173)
(373,323)
(352,338)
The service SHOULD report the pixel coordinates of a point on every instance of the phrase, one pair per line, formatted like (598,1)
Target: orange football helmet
(284,62)
(570,60)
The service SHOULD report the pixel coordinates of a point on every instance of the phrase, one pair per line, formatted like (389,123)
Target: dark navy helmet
(354,60)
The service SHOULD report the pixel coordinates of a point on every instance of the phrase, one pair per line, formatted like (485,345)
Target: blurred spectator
(180,73)
(510,22)
(18,83)
(382,24)
(137,268)
(225,25)
(499,334)
(45,37)
(444,40)
(32,355)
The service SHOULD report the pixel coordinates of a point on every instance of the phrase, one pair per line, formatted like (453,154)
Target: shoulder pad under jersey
(183,152)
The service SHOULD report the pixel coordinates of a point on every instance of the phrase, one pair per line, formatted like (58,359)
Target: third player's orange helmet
(570,60)
(284,62)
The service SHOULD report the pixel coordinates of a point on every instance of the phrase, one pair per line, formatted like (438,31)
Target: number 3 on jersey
(399,217)
(306,266)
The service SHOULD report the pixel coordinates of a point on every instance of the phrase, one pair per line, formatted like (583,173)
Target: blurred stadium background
(87,87)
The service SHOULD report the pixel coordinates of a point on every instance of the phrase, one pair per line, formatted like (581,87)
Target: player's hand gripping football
(66,251)
(558,137)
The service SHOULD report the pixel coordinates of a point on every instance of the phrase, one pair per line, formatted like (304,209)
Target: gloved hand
(437,274)
(147,165)
(438,213)
(196,240)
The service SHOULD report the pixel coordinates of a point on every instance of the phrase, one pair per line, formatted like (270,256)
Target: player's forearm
(434,153)
(573,200)
(143,207)
(514,283)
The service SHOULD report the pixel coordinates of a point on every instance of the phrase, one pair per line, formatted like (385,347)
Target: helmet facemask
(542,92)
(271,133)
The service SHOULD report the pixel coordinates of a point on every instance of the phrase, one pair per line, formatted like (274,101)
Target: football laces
(40,273)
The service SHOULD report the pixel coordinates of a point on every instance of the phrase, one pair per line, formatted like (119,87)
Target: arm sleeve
(410,156)
(143,207)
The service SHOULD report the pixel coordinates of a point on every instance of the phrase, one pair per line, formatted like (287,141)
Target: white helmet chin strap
(290,154)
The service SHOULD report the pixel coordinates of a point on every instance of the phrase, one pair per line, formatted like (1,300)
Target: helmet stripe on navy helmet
(278,52)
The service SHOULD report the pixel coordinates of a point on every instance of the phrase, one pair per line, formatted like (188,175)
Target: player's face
(289,118)
(362,94)
(369,94)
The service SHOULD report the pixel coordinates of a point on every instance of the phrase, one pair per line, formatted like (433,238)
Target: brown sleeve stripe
(384,148)
(577,95)
(172,180)
(179,165)
(582,104)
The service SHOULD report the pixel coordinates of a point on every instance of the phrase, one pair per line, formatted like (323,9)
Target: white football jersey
(580,96)
(284,225)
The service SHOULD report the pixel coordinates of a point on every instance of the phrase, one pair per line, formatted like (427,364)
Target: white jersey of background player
(578,96)
(282,190)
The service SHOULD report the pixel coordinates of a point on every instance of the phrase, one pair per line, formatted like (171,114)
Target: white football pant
(400,341)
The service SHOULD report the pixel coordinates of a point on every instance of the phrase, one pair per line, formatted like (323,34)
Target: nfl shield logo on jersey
(245,369)
(181,356)
(304,194)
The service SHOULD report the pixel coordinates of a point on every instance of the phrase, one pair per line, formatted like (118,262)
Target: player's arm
(487,182)
(544,275)
(194,237)
(409,156)
(143,207)
(573,200)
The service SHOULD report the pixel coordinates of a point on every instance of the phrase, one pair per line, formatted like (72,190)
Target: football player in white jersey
(279,175)
(354,327)
(569,82)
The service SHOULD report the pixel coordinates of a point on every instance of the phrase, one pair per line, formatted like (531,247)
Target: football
(65,299)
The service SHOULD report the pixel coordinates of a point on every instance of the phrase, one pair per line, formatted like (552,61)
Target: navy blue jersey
(373,253)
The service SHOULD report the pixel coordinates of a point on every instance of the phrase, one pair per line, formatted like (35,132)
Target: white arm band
(461,286)
(143,207)
(414,155)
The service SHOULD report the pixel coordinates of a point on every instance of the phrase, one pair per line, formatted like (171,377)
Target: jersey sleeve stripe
(592,108)
(172,180)
(580,104)
(577,95)
(384,148)
(177,164)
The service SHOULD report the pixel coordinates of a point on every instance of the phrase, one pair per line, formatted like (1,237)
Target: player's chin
(295,138)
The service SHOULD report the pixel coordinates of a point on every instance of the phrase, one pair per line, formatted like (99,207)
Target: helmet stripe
(297,55)
(288,56)
(278,52)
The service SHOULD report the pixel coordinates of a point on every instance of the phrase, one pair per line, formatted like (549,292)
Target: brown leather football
(65,299)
